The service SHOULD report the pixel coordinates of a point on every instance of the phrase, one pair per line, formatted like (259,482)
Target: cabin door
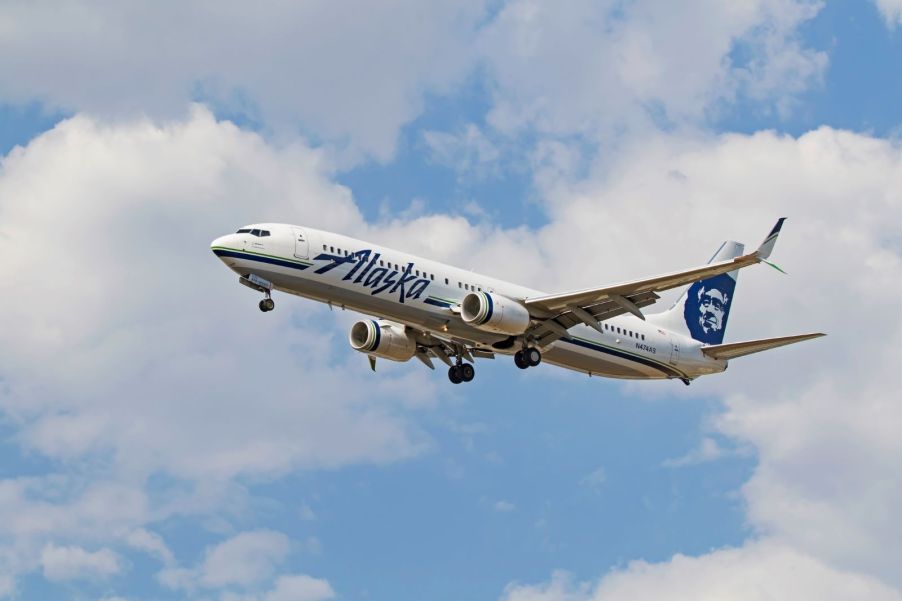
(301,244)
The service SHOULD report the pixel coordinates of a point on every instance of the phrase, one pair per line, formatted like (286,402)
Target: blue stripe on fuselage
(437,303)
(219,252)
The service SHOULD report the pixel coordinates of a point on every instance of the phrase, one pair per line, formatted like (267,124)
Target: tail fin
(703,309)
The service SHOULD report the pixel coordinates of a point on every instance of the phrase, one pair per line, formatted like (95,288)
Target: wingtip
(777,227)
(767,246)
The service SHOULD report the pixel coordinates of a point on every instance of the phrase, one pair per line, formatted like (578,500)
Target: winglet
(767,246)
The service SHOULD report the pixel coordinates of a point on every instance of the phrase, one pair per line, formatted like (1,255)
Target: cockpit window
(243,232)
(255,233)
(264,232)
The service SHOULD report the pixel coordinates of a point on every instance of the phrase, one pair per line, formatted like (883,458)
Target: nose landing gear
(267,304)
(259,284)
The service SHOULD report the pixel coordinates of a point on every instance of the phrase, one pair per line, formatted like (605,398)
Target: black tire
(454,375)
(267,305)
(533,356)
(520,360)
(467,372)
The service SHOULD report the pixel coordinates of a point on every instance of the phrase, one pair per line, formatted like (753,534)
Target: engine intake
(494,313)
(382,339)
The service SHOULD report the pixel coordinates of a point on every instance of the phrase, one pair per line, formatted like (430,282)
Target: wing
(558,312)
(741,349)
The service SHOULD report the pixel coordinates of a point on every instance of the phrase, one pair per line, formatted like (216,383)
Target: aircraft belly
(595,363)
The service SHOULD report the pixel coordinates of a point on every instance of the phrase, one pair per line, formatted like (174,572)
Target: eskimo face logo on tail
(708,307)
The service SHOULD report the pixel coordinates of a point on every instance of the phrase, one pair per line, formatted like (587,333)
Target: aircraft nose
(218,242)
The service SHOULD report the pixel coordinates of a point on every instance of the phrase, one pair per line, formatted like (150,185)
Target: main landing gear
(528,357)
(462,372)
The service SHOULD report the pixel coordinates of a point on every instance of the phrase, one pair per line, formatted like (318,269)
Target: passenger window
(324,247)
(446,281)
(432,276)
(459,285)
(618,330)
(381,263)
(418,273)
(643,336)
(331,249)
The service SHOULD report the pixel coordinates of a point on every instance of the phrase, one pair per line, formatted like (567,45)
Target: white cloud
(178,578)
(300,587)
(707,450)
(151,543)
(352,73)
(503,506)
(69,563)
(245,559)
(597,69)
(248,559)
(140,199)
(759,571)
(149,335)
(891,11)
(818,416)
(469,152)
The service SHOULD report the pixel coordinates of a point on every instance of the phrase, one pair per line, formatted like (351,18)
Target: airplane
(428,310)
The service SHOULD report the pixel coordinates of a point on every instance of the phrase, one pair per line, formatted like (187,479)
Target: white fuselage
(425,295)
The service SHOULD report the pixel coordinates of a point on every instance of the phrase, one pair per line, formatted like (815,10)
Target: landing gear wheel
(467,372)
(454,374)
(520,360)
(533,356)
(267,304)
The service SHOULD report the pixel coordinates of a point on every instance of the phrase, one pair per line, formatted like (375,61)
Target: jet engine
(494,313)
(382,339)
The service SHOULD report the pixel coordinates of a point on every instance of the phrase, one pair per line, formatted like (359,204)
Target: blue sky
(476,492)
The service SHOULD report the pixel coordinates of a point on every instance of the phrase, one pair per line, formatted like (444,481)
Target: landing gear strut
(528,357)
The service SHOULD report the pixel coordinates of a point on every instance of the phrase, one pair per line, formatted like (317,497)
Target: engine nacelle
(382,339)
(494,313)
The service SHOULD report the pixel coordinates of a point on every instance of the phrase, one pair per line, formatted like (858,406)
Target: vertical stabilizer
(703,309)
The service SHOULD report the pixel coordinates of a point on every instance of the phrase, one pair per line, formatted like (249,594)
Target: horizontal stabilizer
(741,349)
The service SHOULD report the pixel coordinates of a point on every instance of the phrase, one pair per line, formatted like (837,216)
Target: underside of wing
(446,348)
(741,349)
